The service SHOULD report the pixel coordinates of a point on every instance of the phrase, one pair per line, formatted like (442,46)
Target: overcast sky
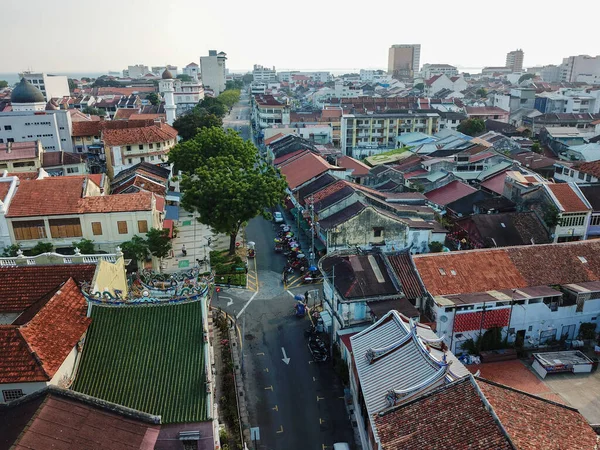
(84,35)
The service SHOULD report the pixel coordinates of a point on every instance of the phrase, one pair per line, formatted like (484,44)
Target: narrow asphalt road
(296,406)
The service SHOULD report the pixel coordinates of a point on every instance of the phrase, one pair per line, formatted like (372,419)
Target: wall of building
(213,73)
(27,388)
(52,128)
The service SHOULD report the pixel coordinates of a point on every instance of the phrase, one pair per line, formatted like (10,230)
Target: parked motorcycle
(318,349)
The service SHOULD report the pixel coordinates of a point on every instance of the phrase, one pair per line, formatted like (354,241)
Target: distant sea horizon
(13,77)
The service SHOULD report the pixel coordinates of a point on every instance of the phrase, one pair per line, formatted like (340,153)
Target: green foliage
(436,247)
(85,246)
(248,78)
(212,105)
(234,84)
(472,127)
(93,111)
(419,86)
(551,216)
(136,248)
(41,247)
(187,125)
(536,147)
(489,340)
(11,250)
(105,81)
(184,77)
(153,98)
(340,367)
(72,84)
(86,79)
(217,257)
(158,242)
(527,76)
(481,92)
(229,97)
(587,330)
(210,142)
(228,191)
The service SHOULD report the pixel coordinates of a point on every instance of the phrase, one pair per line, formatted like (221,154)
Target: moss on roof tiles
(148,358)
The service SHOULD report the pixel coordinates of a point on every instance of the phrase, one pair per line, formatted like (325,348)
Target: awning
(173,196)
(168,225)
(172,212)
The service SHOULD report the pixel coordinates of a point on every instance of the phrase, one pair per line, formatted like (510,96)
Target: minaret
(167,88)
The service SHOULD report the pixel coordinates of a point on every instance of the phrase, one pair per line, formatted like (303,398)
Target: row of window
(65,228)
(38,123)
(572,220)
(141,146)
(143,159)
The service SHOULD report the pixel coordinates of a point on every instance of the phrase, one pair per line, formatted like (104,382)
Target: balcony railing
(57,258)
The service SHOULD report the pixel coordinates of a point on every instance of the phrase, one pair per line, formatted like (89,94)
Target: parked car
(341,446)
(277,217)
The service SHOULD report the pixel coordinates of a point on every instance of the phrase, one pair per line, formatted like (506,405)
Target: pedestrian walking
(183,250)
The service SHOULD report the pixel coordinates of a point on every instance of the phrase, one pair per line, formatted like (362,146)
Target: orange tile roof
(273,138)
(63,195)
(300,170)
(125,113)
(124,90)
(360,169)
(4,188)
(48,336)
(24,175)
(140,135)
(567,197)
(326,191)
(57,327)
(591,168)
(18,150)
(86,128)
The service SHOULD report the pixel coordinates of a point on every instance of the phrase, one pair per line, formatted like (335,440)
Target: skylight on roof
(502,225)
(582,259)
(453,272)
(442,271)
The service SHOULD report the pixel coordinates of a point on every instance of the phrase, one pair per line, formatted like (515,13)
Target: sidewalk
(302,237)
(194,236)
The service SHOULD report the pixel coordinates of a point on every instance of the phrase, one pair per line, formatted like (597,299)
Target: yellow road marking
(314,379)
(324,447)
(260,354)
(310,362)
(267,369)
(321,421)
(281,429)
(275,409)
(270,387)
(320,398)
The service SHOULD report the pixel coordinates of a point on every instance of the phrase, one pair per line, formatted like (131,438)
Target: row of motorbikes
(286,243)
(316,344)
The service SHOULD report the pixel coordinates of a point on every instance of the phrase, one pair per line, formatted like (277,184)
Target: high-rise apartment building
(213,71)
(52,86)
(514,60)
(581,69)
(404,60)
(262,74)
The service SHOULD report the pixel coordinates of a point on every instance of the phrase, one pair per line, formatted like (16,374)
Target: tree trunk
(232,238)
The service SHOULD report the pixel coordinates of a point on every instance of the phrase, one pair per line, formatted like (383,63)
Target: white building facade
(582,69)
(213,71)
(52,86)
(263,74)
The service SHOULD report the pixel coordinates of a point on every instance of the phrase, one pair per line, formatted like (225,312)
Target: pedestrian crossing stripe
(296,281)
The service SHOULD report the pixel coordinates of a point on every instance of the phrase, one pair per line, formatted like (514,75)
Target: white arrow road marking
(230,302)
(246,305)
(285,358)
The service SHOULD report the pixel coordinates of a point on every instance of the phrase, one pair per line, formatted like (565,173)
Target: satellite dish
(444,319)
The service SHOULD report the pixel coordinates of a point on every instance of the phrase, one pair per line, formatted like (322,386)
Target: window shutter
(97,228)
(122,226)
(142,226)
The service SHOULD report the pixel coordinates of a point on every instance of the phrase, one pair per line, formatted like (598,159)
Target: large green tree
(184,77)
(153,98)
(230,97)
(93,111)
(210,142)
(227,192)
(214,106)
(136,248)
(3,84)
(472,127)
(248,78)
(187,125)
(159,242)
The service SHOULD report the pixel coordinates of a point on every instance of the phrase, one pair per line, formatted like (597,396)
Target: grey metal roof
(403,367)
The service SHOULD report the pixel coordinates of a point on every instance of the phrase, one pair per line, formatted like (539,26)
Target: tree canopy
(158,241)
(104,81)
(153,98)
(189,155)
(471,127)
(85,246)
(227,192)
(481,92)
(214,106)
(229,97)
(136,248)
(187,125)
(72,84)
(93,111)
(526,76)
(184,77)
(3,84)
(234,84)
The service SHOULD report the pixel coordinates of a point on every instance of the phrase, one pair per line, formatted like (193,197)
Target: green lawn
(148,358)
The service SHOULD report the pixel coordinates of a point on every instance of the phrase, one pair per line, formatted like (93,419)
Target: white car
(341,446)
(277,217)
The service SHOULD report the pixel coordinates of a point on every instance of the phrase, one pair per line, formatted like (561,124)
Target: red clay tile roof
(567,197)
(63,195)
(360,169)
(18,150)
(536,423)
(284,158)
(406,273)
(326,191)
(485,111)
(300,170)
(24,175)
(51,332)
(449,193)
(4,188)
(60,419)
(452,417)
(140,183)
(124,90)
(478,320)
(16,361)
(57,327)
(86,128)
(52,159)
(125,113)
(432,80)
(146,116)
(495,183)
(273,138)
(140,135)
(474,271)
(591,168)
(22,286)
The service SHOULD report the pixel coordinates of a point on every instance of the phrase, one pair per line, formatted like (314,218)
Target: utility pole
(312,230)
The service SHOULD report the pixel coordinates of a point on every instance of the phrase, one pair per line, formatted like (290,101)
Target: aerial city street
(216,238)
